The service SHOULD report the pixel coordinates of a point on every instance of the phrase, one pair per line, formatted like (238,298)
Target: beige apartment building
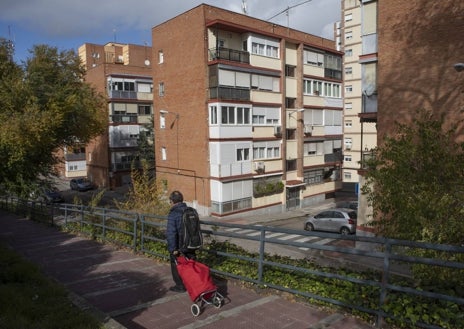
(123,73)
(248,114)
(360,91)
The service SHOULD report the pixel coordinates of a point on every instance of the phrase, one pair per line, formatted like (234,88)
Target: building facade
(409,49)
(123,73)
(360,136)
(248,114)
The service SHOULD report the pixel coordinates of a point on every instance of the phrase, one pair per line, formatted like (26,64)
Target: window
(349,35)
(144,109)
(161,89)
(160,57)
(243,115)
(312,177)
(348,106)
(348,143)
(347,175)
(348,70)
(263,82)
(313,58)
(348,17)
(243,154)
(320,88)
(269,150)
(289,71)
(231,115)
(348,52)
(263,46)
(213,120)
(163,153)
(348,89)
(348,158)
(348,123)
(290,165)
(121,85)
(290,102)
(162,121)
(313,149)
(266,116)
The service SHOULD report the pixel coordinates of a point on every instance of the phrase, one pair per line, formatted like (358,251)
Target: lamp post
(177,117)
(459,67)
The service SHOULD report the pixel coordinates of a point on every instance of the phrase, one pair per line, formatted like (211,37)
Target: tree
(147,194)
(416,186)
(45,105)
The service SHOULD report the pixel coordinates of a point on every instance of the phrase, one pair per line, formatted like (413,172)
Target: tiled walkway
(128,290)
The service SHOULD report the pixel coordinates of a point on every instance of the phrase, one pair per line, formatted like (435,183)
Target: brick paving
(128,290)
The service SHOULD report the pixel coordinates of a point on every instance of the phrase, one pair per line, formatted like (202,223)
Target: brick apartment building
(247,113)
(122,72)
(409,49)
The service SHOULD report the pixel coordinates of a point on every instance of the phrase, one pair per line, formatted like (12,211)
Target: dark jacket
(174,226)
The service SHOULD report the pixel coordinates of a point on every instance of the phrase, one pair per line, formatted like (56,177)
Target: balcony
(74,156)
(229,93)
(229,55)
(125,166)
(121,94)
(123,118)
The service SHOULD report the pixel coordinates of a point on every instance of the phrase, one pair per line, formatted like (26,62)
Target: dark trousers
(175,274)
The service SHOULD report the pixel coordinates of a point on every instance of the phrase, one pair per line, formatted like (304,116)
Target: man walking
(174,237)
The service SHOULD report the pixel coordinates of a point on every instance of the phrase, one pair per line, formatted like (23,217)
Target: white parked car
(340,220)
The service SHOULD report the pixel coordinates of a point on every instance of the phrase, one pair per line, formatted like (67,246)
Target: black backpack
(191,232)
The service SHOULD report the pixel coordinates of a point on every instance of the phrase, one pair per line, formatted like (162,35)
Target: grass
(30,300)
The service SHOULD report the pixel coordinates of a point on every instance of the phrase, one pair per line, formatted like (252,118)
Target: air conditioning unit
(259,166)
(277,130)
(308,129)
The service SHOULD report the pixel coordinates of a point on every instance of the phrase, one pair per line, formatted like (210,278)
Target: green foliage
(267,188)
(29,300)
(45,105)
(147,194)
(416,189)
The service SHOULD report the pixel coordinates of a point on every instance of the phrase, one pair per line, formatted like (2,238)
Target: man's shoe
(177,289)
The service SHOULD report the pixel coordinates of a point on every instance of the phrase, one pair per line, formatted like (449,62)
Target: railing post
(135,232)
(261,254)
(384,283)
(104,224)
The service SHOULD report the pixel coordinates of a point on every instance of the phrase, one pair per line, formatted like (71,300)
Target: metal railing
(387,257)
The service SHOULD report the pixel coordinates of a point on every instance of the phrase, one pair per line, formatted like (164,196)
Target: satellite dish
(147,62)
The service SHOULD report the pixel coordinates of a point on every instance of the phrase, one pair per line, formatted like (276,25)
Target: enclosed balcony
(229,93)
(123,118)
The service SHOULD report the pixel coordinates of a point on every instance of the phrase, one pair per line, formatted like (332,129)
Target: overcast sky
(68,24)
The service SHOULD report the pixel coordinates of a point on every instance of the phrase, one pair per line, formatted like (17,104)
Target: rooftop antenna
(244,7)
(286,11)
(114,34)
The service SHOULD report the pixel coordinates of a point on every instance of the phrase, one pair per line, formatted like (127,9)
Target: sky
(68,24)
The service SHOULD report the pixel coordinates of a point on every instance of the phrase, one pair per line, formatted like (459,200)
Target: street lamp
(163,112)
(459,67)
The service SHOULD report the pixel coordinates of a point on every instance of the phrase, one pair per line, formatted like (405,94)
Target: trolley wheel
(195,309)
(217,302)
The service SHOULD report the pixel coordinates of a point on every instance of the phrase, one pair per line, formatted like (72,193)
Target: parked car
(340,220)
(81,184)
(348,204)
(53,195)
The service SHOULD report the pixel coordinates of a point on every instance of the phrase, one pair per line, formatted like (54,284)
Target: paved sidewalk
(129,290)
